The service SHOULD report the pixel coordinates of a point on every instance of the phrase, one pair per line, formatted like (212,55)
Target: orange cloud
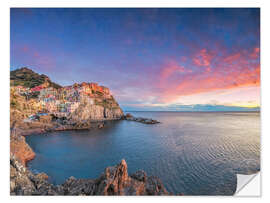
(233,71)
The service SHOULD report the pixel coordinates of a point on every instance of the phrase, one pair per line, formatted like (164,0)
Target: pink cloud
(203,58)
(31,56)
(232,71)
(172,68)
(232,58)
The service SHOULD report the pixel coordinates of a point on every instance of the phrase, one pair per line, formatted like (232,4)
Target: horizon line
(258,111)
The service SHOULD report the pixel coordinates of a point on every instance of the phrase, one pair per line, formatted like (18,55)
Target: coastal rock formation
(114,181)
(87,111)
(101,109)
(19,147)
(129,117)
(24,182)
(114,113)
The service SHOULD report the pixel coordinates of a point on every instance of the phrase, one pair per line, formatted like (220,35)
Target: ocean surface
(192,153)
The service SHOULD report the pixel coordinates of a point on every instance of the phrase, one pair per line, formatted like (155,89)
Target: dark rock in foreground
(129,117)
(114,181)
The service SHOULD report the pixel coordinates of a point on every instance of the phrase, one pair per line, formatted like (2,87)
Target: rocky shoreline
(114,180)
(130,117)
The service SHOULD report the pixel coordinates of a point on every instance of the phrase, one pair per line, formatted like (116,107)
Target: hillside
(28,78)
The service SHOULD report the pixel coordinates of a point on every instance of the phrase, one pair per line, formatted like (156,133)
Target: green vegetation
(107,103)
(28,78)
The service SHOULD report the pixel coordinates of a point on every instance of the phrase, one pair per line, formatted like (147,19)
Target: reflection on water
(192,153)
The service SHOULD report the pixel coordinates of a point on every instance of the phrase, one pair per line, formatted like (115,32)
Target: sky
(151,59)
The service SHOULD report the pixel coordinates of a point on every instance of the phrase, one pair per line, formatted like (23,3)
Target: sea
(192,153)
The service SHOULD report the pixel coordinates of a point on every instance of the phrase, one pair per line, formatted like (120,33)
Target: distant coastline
(244,111)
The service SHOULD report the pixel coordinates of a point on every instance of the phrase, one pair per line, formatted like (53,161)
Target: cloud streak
(227,72)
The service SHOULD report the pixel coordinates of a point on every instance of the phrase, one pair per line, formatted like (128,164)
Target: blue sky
(151,59)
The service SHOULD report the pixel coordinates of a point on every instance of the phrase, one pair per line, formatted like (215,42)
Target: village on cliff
(65,100)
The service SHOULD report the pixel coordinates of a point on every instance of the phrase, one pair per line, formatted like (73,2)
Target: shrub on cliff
(28,78)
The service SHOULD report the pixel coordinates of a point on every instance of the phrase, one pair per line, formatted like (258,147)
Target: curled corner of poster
(248,185)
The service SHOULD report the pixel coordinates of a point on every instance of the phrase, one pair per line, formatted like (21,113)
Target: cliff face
(99,105)
(20,148)
(114,181)
(88,111)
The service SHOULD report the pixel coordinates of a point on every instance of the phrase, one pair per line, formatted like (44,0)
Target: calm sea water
(192,153)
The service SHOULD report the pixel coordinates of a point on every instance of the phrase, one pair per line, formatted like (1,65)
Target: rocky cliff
(87,111)
(20,148)
(98,106)
(113,181)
